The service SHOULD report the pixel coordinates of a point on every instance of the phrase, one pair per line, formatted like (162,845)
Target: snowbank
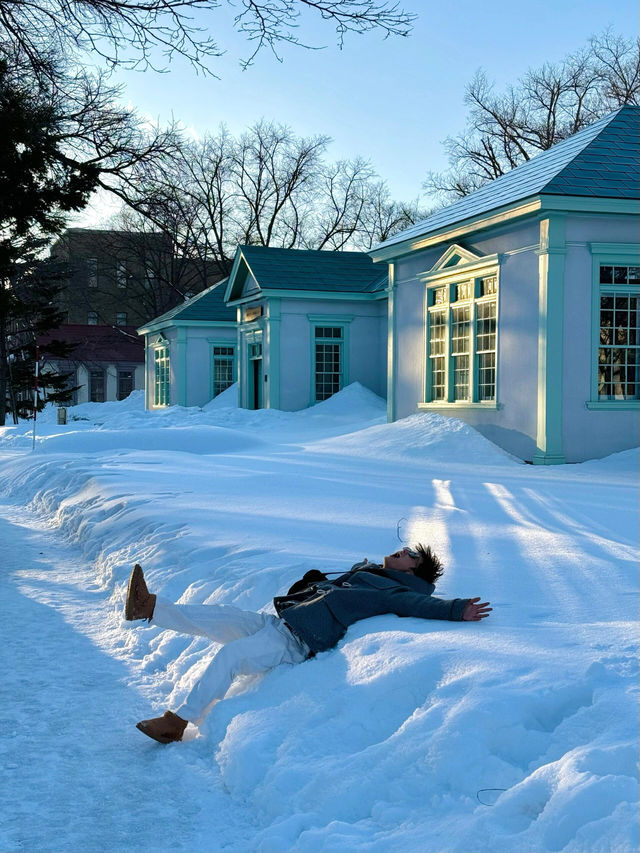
(518,734)
(419,438)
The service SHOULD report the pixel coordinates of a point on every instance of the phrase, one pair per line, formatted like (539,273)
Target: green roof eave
(342,295)
(451,233)
(151,328)
(588,204)
(525,207)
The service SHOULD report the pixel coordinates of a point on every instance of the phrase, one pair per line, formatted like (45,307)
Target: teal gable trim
(576,204)
(191,324)
(231,286)
(240,272)
(337,296)
(550,340)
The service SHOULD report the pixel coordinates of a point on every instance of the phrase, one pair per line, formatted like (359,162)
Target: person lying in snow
(312,617)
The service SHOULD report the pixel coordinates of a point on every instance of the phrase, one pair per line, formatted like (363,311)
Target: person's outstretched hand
(474,612)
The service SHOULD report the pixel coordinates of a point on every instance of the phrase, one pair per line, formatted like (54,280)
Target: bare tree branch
(548,104)
(150,33)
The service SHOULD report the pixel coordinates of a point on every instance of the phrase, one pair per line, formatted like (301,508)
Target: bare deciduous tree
(149,33)
(267,187)
(547,105)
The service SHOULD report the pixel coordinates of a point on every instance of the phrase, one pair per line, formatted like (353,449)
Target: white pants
(254,643)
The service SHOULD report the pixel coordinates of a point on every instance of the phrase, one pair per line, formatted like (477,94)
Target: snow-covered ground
(511,735)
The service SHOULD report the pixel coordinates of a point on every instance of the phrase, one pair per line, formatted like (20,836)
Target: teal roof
(307,269)
(600,161)
(207,305)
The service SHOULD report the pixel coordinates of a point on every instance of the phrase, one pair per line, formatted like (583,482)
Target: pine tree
(38,184)
(32,317)
(63,135)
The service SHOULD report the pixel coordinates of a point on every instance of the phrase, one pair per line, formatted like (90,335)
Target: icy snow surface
(517,734)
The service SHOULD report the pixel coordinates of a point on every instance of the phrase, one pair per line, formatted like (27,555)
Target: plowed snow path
(67,722)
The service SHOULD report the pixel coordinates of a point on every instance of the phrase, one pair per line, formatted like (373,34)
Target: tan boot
(165,729)
(140,602)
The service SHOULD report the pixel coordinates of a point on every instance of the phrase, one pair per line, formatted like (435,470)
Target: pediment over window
(455,256)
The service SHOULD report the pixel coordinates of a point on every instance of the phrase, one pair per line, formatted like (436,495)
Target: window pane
(619,275)
(437,378)
(461,377)
(606,275)
(460,329)
(486,376)
(618,352)
(464,290)
(96,386)
(125,383)
(621,302)
(486,350)
(92,272)
(328,372)
(328,332)
(489,285)
(121,273)
(162,377)
(437,332)
(222,371)
(460,337)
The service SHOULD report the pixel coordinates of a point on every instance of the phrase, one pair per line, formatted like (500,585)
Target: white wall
(191,383)
(366,358)
(513,425)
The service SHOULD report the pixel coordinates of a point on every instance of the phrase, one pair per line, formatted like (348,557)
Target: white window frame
(608,254)
(232,345)
(323,321)
(98,374)
(161,383)
(465,279)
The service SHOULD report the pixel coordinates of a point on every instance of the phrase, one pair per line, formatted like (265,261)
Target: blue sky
(392,101)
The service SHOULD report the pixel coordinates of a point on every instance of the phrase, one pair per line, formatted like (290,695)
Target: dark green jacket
(320,613)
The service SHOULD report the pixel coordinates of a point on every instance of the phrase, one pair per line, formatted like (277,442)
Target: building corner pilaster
(551,264)
(391,344)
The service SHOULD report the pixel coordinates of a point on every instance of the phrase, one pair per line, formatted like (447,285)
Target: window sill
(461,405)
(613,405)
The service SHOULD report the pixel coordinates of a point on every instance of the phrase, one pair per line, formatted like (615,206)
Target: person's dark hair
(429,568)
